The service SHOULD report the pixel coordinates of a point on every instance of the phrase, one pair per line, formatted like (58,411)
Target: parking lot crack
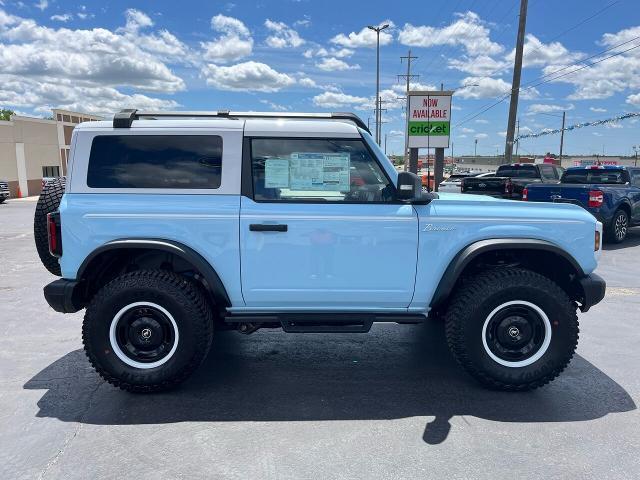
(53,461)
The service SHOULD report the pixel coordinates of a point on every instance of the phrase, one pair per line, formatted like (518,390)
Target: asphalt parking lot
(388,404)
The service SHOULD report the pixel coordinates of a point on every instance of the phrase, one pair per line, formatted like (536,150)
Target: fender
(215,285)
(467,254)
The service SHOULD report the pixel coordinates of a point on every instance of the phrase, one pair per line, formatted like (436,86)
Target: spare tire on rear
(47,203)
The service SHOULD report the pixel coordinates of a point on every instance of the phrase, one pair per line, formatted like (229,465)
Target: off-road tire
(47,203)
(187,304)
(471,308)
(617,230)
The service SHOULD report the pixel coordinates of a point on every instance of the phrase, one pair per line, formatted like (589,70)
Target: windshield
(385,163)
(595,176)
(518,171)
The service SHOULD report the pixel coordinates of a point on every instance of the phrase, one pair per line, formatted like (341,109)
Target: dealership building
(33,148)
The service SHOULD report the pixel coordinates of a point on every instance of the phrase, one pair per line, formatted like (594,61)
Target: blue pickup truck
(609,193)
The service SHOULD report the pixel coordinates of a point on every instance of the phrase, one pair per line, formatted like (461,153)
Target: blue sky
(302,55)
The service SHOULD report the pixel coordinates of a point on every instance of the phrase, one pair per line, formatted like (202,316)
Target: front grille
(4,186)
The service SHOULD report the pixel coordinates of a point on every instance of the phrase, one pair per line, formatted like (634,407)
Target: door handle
(268,227)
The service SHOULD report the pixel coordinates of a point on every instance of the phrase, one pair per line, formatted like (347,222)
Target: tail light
(596,198)
(55,234)
(508,187)
(525,194)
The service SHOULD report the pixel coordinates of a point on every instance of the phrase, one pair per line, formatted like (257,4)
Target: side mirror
(409,189)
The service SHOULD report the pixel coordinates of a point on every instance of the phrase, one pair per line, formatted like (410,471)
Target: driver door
(322,229)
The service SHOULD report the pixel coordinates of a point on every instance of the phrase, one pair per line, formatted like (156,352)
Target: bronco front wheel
(512,329)
(147,330)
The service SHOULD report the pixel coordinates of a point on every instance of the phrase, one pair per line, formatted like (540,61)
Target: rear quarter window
(521,171)
(155,161)
(602,177)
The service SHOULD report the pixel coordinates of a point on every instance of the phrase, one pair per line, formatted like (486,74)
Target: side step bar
(322,322)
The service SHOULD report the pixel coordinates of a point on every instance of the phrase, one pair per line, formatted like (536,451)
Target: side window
(155,161)
(312,170)
(559,171)
(548,172)
(635,179)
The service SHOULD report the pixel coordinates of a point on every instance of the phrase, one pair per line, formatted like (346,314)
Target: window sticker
(320,171)
(276,173)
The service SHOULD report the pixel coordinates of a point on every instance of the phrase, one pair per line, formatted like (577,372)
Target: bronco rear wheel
(148,330)
(512,329)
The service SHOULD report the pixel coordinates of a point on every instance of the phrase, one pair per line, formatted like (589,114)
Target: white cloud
(307,82)
(274,106)
(97,56)
(483,87)
(481,135)
(482,120)
(401,89)
(602,80)
(62,18)
(81,69)
(136,20)
(546,108)
(304,22)
(480,65)
(364,38)
(234,42)
(634,99)
(467,130)
(597,109)
(282,35)
(247,76)
(330,64)
(538,54)
(42,5)
(337,100)
(69,95)
(468,31)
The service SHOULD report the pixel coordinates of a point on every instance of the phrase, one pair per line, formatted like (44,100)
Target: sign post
(429,126)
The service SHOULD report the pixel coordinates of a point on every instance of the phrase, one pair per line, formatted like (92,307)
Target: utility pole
(564,114)
(515,84)
(407,77)
(475,150)
(378,29)
(517,140)
(635,149)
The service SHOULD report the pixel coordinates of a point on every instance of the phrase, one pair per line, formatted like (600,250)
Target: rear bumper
(593,290)
(64,295)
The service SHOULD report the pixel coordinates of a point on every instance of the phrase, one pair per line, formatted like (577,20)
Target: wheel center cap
(513,332)
(145,333)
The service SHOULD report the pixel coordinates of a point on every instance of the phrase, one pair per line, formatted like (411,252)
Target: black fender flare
(468,253)
(215,285)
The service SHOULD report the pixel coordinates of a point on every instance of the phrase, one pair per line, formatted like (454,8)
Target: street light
(635,149)
(378,29)
(475,150)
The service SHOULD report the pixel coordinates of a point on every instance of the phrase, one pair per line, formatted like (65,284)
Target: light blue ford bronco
(172,225)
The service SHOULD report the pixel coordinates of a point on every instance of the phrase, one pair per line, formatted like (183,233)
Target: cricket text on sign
(429,119)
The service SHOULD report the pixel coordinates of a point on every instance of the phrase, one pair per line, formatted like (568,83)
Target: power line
(582,22)
(501,99)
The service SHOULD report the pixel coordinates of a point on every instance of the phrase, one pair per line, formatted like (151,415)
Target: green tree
(5,114)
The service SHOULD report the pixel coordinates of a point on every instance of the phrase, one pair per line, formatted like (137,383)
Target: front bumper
(64,296)
(593,290)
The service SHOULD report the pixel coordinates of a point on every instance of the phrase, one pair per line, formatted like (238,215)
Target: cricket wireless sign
(429,119)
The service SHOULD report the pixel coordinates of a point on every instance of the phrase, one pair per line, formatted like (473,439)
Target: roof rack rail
(124,118)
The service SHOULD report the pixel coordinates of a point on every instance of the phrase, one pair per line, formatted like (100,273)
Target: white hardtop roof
(310,127)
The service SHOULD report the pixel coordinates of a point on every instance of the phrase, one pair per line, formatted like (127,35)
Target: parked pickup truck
(510,180)
(610,193)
